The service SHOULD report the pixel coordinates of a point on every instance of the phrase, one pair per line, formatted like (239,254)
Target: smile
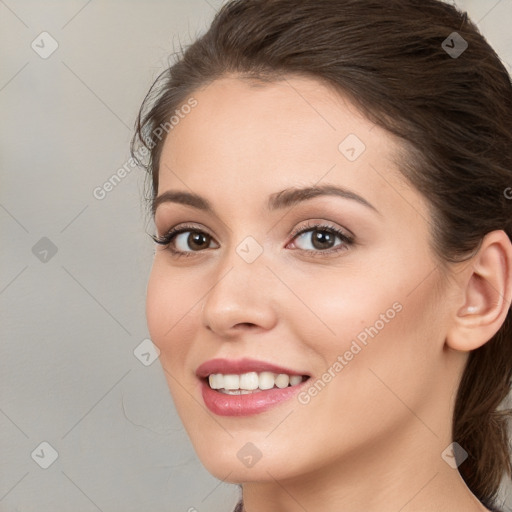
(246,386)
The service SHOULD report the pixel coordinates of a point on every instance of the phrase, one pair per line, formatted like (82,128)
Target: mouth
(246,387)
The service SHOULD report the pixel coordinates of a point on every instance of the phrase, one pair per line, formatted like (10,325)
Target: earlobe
(487,288)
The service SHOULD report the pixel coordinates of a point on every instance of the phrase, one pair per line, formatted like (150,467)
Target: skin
(372,439)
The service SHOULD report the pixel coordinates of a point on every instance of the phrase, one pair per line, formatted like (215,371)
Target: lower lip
(223,404)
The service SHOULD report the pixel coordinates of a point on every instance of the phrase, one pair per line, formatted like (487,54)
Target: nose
(241,298)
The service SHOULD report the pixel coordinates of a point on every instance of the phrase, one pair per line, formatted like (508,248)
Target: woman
(331,289)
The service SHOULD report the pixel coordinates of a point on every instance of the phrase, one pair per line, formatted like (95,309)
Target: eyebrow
(276,201)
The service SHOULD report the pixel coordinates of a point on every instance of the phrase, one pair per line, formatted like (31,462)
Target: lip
(223,404)
(246,405)
(239,366)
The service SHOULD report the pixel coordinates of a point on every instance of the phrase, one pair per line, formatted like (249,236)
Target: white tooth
(249,381)
(231,381)
(282,380)
(266,380)
(218,381)
(295,379)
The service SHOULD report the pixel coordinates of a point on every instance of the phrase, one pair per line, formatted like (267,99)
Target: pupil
(196,238)
(322,238)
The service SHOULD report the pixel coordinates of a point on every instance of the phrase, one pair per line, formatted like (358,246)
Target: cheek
(158,316)
(340,307)
(172,308)
(378,323)
(170,302)
(390,342)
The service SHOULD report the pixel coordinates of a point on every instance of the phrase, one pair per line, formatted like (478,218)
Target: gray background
(70,321)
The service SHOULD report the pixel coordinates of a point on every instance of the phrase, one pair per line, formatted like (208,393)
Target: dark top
(240,508)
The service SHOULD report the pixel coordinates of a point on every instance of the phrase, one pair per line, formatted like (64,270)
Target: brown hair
(452,113)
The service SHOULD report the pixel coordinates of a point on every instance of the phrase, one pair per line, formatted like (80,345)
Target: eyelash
(172,233)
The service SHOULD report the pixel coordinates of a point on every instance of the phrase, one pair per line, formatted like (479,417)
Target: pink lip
(246,405)
(223,404)
(239,366)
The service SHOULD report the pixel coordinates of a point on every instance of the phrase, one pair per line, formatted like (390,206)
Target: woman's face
(361,315)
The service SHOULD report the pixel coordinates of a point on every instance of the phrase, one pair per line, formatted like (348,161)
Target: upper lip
(239,366)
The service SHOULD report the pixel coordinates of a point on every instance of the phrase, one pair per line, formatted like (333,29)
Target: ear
(486,290)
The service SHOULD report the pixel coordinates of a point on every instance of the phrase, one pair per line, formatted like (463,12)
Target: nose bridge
(245,256)
(243,268)
(241,291)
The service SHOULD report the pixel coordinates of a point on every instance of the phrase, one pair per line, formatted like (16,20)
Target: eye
(181,239)
(195,240)
(321,238)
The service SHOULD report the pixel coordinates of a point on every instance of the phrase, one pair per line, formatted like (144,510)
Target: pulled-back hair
(452,112)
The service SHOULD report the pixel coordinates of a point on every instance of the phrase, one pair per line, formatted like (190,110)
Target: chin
(235,472)
(239,460)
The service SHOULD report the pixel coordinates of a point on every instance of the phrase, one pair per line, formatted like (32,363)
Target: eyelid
(322,224)
(179,229)
(182,226)
(314,223)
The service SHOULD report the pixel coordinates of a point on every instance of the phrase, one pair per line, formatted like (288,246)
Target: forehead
(245,140)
